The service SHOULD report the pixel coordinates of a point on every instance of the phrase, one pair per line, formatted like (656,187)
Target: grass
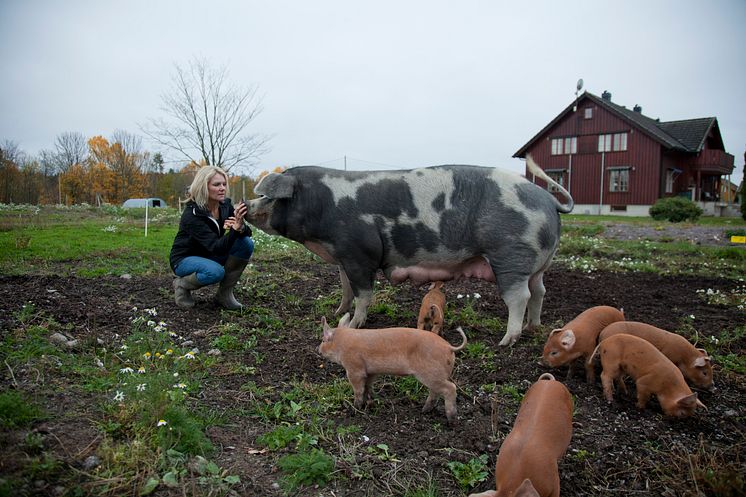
(147,389)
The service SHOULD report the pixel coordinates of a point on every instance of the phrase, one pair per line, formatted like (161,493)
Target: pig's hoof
(507,341)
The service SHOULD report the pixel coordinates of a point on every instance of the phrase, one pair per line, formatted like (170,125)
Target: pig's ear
(688,402)
(328,334)
(345,321)
(554,331)
(703,359)
(275,185)
(526,490)
(567,340)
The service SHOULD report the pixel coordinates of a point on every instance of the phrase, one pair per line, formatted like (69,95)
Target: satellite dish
(580,84)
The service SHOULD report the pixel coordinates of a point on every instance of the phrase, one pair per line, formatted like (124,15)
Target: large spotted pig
(431,224)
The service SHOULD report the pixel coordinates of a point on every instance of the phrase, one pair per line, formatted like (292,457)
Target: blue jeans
(211,270)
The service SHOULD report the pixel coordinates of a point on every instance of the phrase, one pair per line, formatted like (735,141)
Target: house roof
(686,136)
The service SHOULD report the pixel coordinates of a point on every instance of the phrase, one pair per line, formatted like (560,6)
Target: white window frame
(669,180)
(571,145)
(620,142)
(557,146)
(559,177)
(588,113)
(619,180)
(604,143)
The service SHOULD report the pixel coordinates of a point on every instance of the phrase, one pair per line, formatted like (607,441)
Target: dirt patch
(615,449)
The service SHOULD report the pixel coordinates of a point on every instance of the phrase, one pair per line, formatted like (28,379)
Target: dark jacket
(201,235)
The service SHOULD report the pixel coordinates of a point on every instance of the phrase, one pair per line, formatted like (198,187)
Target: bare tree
(208,118)
(71,148)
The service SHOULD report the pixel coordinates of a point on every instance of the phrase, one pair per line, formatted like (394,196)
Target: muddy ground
(615,450)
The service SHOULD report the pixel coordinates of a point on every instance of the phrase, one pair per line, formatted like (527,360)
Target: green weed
(17,411)
(306,468)
(469,474)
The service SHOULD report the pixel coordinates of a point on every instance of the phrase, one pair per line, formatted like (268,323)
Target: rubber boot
(183,289)
(233,269)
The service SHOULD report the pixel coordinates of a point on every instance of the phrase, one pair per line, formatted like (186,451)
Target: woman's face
(216,188)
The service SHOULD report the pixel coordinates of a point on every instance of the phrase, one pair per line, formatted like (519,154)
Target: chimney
(606,96)
(637,109)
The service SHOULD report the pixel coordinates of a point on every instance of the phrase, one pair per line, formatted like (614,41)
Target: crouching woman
(213,243)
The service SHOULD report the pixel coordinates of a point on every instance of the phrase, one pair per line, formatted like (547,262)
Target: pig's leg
(643,395)
(620,385)
(362,302)
(535,302)
(449,396)
(590,371)
(368,395)
(346,304)
(607,380)
(357,380)
(429,402)
(515,294)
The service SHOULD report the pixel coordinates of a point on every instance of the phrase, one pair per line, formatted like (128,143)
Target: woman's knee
(243,248)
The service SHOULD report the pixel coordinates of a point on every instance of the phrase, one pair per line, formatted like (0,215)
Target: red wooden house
(615,160)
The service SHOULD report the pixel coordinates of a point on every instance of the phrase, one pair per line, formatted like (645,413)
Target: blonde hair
(198,189)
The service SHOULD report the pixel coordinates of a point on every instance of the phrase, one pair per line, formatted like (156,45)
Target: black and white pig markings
(431,224)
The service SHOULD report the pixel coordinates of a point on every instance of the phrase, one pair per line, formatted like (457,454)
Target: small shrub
(15,411)
(469,474)
(280,437)
(183,433)
(314,467)
(675,209)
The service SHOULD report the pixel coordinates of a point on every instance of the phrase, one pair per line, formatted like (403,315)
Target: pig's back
(670,344)
(591,321)
(635,355)
(540,436)
(386,349)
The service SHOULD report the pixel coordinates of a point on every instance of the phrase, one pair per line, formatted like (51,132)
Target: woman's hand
(240,211)
(233,223)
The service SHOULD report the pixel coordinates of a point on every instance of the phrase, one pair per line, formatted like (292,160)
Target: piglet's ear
(701,362)
(568,339)
(328,331)
(705,357)
(556,330)
(688,401)
(526,490)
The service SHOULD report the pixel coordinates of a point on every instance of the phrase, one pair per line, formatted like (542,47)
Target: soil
(615,450)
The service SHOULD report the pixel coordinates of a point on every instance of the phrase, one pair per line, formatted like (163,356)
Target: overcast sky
(394,83)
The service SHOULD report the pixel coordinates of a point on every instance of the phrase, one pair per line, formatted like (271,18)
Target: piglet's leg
(607,380)
(358,380)
(590,371)
(643,396)
(368,395)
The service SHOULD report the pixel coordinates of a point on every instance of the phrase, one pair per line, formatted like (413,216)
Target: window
(669,181)
(557,146)
(571,145)
(567,145)
(559,177)
(589,112)
(620,142)
(604,143)
(619,180)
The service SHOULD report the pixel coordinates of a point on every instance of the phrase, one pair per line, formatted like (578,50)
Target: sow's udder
(476,267)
